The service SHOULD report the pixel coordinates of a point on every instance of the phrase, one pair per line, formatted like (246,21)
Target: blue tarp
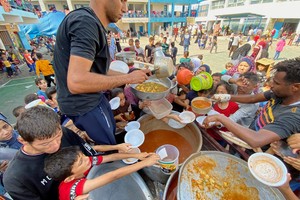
(47,25)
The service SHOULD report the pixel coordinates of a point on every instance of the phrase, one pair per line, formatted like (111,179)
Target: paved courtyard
(13,91)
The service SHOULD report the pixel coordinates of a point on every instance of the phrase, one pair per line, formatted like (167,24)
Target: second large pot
(154,95)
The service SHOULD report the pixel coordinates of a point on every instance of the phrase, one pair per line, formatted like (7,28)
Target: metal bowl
(154,95)
(127,57)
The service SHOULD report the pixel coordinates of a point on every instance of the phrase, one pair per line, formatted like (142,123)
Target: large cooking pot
(217,175)
(127,188)
(128,57)
(190,132)
(154,95)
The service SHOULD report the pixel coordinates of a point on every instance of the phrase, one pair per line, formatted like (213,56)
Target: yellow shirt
(7,63)
(43,66)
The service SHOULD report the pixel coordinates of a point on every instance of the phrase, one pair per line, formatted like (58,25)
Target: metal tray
(226,170)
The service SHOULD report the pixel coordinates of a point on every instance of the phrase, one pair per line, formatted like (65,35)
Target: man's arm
(81,80)
(248,98)
(253,138)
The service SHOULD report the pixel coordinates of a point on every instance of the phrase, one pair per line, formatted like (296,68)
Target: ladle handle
(144,63)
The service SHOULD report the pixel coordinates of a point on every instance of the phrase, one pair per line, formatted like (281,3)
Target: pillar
(70,5)
(149,17)
(42,5)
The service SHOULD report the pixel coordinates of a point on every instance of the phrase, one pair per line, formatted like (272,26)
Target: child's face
(5,131)
(81,165)
(243,67)
(221,90)
(261,68)
(228,67)
(122,99)
(216,79)
(137,44)
(42,84)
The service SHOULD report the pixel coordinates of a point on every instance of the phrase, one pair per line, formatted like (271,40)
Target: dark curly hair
(292,69)
(59,165)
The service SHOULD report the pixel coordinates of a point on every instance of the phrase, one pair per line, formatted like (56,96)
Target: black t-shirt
(149,49)
(81,34)
(25,178)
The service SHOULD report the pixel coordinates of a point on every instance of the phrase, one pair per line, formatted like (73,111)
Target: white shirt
(236,41)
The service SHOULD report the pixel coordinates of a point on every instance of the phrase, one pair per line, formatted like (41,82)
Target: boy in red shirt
(70,166)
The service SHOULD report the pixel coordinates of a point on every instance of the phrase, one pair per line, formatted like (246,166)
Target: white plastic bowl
(187,117)
(132,125)
(201,119)
(119,66)
(268,165)
(135,137)
(114,103)
(129,161)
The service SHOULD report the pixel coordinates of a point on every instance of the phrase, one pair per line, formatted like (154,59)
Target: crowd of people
(68,126)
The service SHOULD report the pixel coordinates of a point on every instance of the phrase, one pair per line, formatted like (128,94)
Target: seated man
(41,134)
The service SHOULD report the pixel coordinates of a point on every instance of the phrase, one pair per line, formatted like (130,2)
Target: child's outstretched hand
(142,156)
(124,147)
(152,159)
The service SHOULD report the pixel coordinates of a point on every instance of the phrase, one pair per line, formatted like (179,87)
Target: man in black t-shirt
(41,134)
(81,63)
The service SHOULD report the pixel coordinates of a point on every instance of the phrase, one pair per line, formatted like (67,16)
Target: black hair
(137,40)
(292,69)
(38,122)
(252,77)
(226,85)
(116,91)
(59,165)
(30,98)
(172,44)
(17,111)
(218,74)
(39,55)
(50,91)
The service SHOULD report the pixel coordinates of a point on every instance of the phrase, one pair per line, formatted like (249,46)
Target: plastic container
(204,110)
(132,125)
(37,102)
(184,76)
(160,108)
(129,161)
(134,137)
(169,155)
(202,81)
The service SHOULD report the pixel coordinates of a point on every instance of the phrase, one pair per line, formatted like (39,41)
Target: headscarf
(246,59)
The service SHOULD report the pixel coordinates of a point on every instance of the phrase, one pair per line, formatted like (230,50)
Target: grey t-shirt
(280,119)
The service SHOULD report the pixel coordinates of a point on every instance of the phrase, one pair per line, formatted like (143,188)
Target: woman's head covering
(246,59)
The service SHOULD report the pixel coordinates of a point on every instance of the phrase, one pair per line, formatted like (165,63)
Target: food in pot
(151,87)
(201,104)
(207,183)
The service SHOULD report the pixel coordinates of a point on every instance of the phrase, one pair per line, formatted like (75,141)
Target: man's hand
(242,82)
(209,119)
(120,118)
(138,76)
(142,156)
(124,147)
(295,162)
(294,142)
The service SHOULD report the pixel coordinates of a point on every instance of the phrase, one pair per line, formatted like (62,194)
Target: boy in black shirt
(41,134)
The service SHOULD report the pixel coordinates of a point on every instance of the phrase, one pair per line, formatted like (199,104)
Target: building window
(217,4)
(51,6)
(203,11)
(81,5)
(235,3)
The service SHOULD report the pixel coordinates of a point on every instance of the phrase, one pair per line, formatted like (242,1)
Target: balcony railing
(153,14)
(21,5)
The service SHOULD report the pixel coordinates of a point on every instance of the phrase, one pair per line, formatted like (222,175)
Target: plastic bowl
(132,125)
(267,169)
(129,161)
(187,117)
(201,111)
(135,137)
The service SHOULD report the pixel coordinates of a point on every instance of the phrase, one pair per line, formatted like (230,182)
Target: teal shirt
(183,60)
